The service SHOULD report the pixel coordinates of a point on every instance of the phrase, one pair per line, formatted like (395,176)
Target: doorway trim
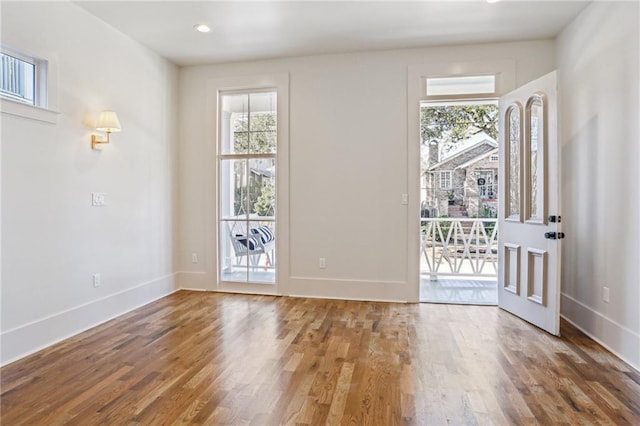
(505,72)
(280,83)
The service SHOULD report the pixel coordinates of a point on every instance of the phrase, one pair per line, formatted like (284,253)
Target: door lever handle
(554,235)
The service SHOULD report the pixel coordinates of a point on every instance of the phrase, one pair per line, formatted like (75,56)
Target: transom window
(23,78)
(468,85)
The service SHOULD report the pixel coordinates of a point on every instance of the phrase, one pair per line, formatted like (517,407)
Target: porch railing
(459,247)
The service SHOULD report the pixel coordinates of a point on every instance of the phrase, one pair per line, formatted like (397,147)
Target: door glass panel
(513,161)
(536,143)
(247,187)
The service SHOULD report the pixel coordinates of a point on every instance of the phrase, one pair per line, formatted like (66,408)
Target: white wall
(597,56)
(52,239)
(348,164)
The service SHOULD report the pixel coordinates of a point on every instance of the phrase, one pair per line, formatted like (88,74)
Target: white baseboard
(364,290)
(187,280)
(32,337)
(313,287)
(618,339)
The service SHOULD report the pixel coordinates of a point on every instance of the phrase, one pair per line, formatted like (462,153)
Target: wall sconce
(107,122)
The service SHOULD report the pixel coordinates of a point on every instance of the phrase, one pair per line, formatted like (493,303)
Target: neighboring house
(464,180)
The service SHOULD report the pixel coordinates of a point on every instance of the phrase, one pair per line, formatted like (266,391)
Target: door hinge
(554,235)
(555,219)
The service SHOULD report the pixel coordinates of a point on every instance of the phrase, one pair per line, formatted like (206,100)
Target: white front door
(529,238)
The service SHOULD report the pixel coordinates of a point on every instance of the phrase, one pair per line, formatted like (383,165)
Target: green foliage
(445,225)
(265,203)
(489,212)
(454,123)
(255,134)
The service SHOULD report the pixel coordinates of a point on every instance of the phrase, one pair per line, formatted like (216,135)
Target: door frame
(505,72)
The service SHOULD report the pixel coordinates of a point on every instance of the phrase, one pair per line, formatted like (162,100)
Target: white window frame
(213,88)
(39,76)
(444,179)
(246,156)
(494,158)
(41,109)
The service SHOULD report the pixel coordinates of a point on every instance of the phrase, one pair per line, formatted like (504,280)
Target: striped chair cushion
(265,234)
(253,243)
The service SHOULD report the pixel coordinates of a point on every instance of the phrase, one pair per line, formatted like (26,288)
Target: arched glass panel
(535,142)
(512,163)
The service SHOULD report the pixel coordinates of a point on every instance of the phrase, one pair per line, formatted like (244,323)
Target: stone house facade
(462,181)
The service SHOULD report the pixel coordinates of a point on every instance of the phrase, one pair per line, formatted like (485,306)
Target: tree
(266,201)
(453,123)
(254,134)
(260,138)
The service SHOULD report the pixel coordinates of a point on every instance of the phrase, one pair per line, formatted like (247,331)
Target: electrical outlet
(605,294)
(322,263)
(96,280)
(98,199)
(194,257)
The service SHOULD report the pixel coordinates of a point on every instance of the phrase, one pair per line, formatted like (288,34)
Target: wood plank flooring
(206,358)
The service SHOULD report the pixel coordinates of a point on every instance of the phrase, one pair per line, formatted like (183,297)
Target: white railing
(459,247)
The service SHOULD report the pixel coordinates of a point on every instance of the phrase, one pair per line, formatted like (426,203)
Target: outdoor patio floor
(459,290)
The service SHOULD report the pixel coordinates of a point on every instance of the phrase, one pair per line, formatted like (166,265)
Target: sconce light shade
(108,122)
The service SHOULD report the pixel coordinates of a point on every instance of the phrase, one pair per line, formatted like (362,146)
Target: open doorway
(459,200)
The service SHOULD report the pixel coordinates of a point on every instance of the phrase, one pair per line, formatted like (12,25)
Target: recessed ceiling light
(202,28)
(492,1)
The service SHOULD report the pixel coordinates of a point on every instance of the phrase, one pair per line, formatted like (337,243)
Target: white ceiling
(268,29)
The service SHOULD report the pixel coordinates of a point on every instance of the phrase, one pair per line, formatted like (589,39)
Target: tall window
(247,186)
(445,180)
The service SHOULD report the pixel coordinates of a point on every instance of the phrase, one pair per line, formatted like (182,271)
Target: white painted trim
(279,81)
(350,289)
(26,339)
(313,287)
(506,69)
(616,338)
(295,296)
(193,280)
(350,280)
(20,109)
(248,288)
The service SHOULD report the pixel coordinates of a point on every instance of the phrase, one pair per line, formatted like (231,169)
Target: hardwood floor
(207,358)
